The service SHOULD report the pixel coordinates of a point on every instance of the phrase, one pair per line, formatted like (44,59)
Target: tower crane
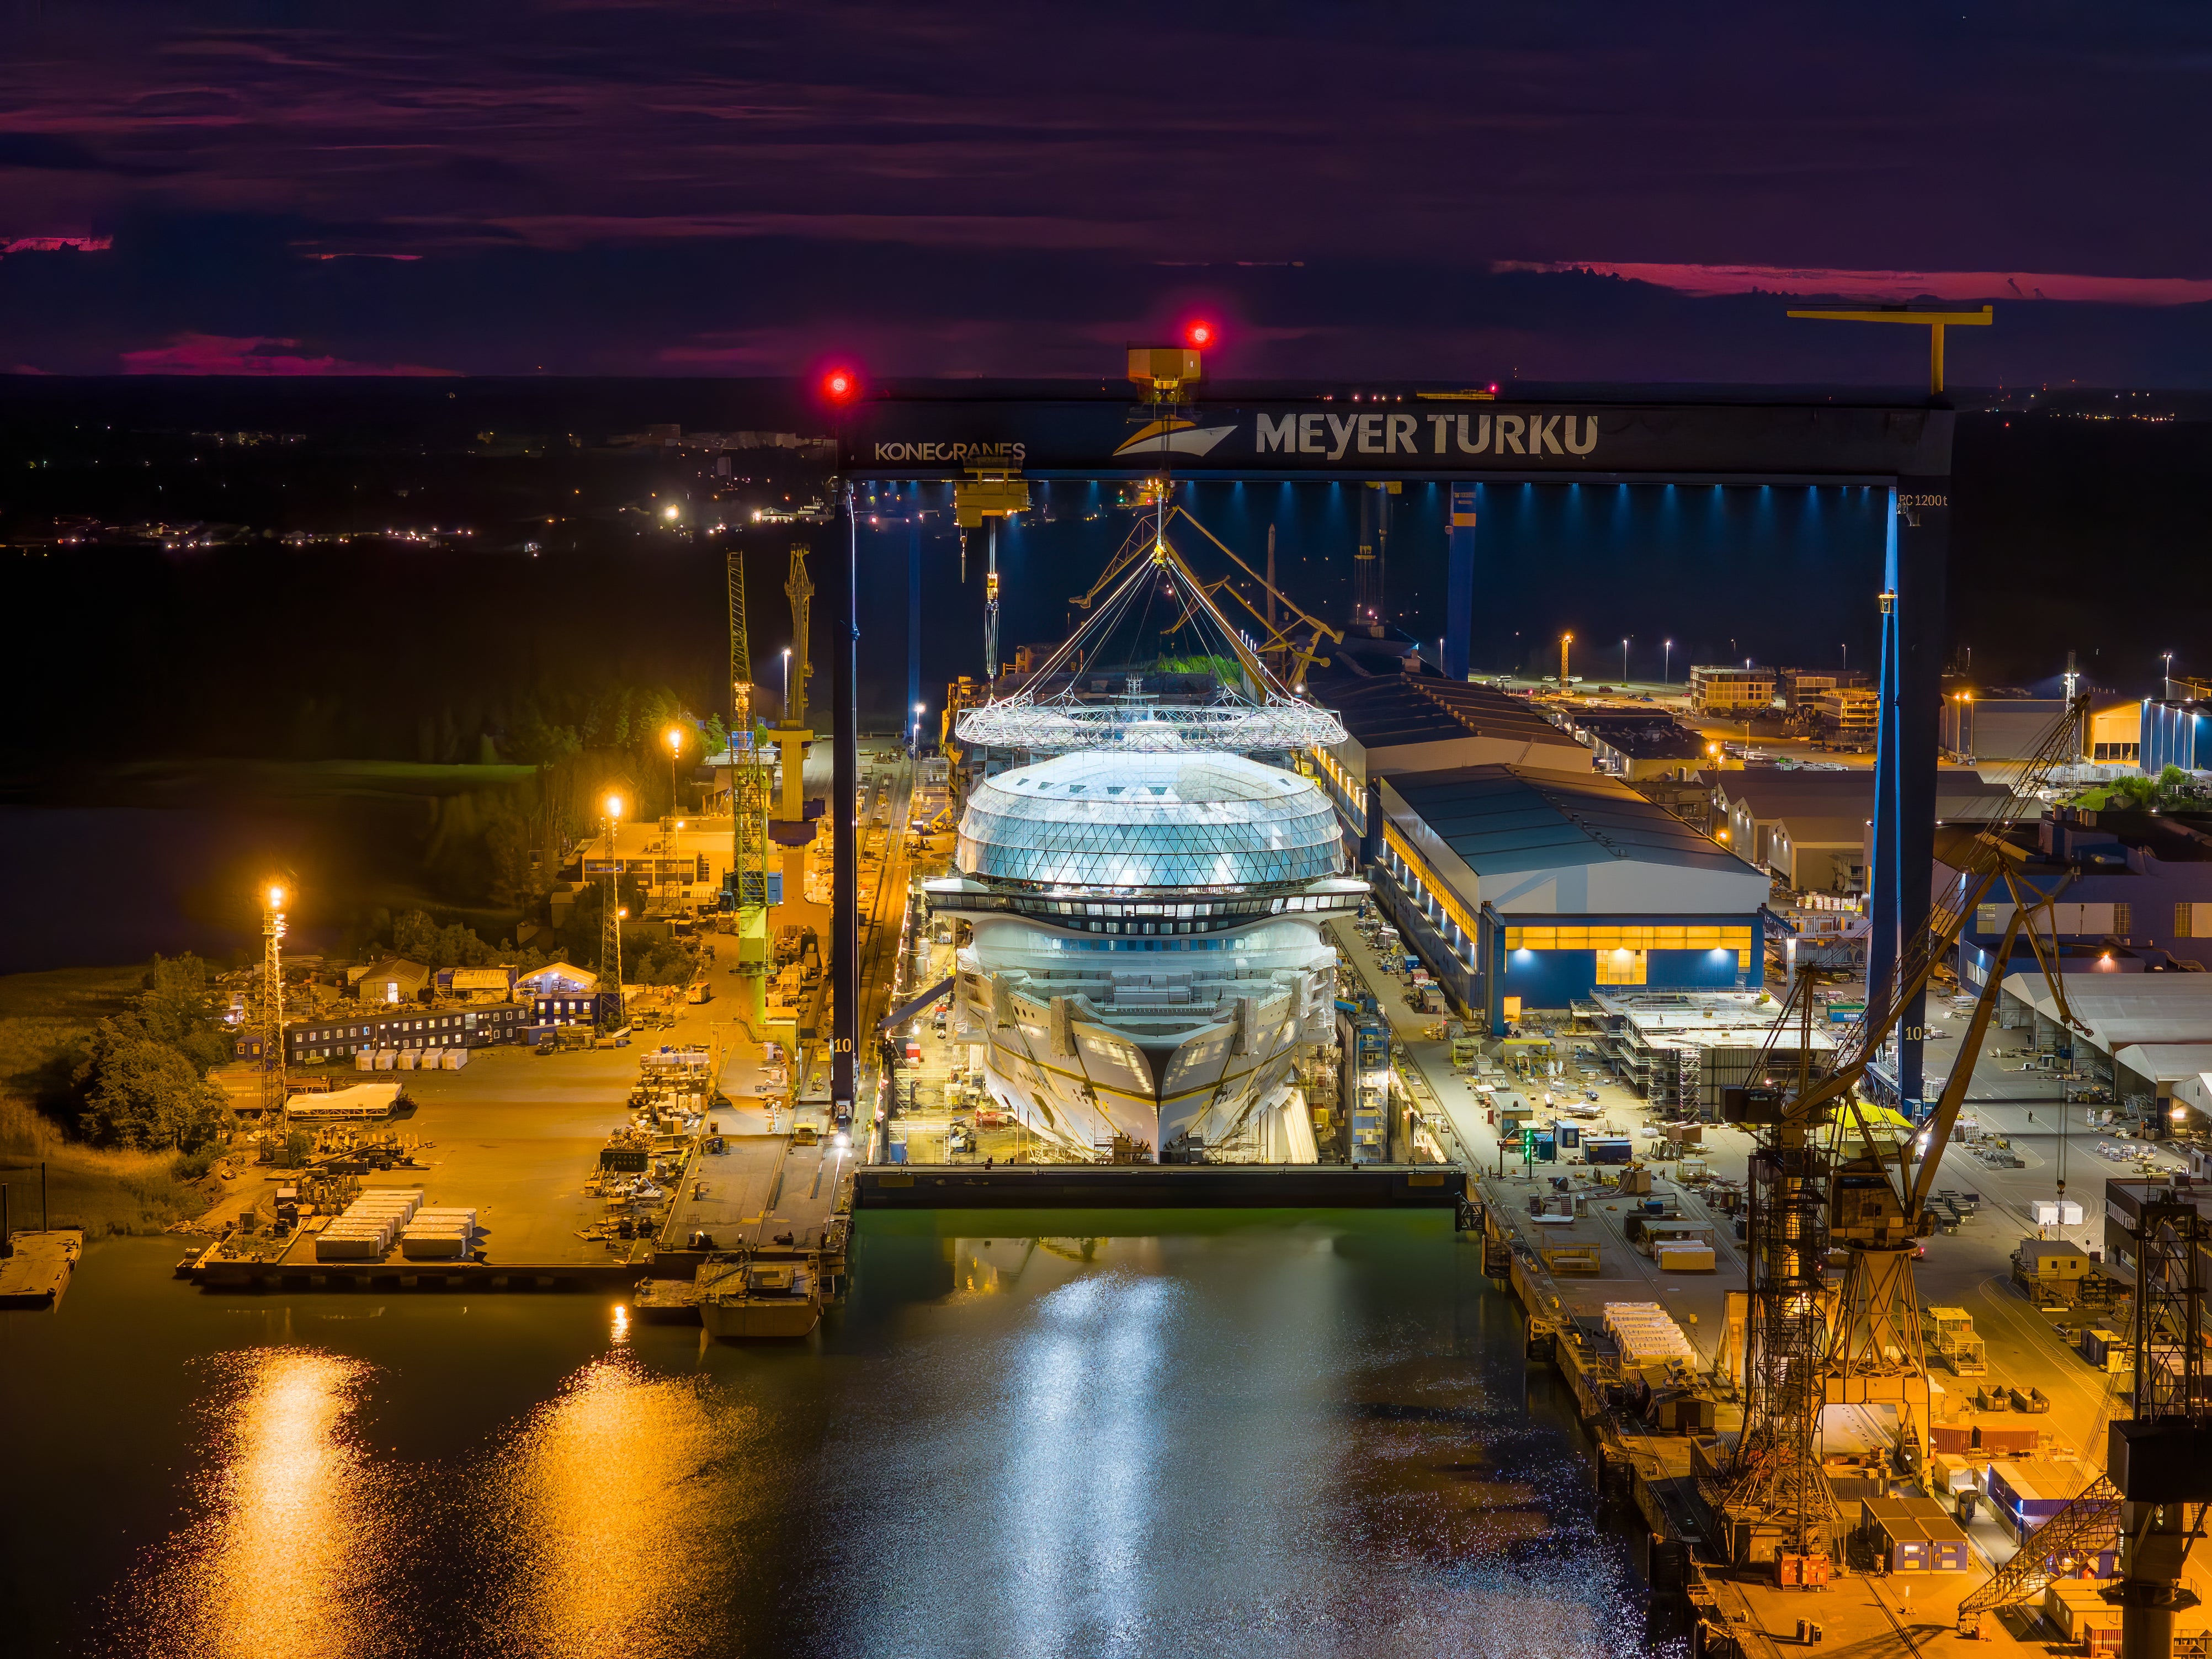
(1796,1359)
(748,804)
(790,734)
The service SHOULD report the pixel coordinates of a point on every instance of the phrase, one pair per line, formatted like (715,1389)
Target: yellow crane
(1933,321)
(749,803)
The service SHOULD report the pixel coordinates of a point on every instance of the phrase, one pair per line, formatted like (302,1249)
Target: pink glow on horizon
(219,354)
(1891,287)
(57,245)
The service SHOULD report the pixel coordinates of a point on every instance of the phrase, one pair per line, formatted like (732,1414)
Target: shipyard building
(1524,888)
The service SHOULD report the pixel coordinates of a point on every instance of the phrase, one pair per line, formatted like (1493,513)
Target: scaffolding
(1251,712)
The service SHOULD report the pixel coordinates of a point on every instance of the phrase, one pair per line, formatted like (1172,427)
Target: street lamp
(913,742)
(1624,660)
(611,930)
(675,749)
(2169,676)
(1666,662)
(787,682)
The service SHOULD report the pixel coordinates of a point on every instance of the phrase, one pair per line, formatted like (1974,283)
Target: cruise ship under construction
(1143,955)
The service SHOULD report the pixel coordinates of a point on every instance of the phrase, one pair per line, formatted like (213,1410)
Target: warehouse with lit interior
(1524,889)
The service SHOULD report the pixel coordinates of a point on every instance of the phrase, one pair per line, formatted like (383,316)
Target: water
(1251,1435)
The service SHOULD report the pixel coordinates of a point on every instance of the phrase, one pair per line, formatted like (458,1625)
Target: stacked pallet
(1647,1333)
(439,1235)
(365,1230)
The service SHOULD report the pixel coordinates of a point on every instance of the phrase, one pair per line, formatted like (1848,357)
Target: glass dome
(1125,821)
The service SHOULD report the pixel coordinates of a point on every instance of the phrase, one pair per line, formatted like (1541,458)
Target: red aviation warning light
(840,385)
(1200,335)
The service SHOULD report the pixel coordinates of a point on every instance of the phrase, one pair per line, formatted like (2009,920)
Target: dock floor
(38,1271)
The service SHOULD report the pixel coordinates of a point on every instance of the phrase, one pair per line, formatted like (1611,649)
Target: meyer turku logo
(1334,436)
(1176,438)
(1327,437)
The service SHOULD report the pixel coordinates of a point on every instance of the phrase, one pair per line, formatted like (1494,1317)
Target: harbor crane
(1807,1346)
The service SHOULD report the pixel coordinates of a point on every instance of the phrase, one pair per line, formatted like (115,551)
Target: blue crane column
(1911,693)
(1459,584)
(845,785)
(914,621)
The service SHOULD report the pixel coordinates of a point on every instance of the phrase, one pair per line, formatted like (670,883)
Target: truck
(700,990)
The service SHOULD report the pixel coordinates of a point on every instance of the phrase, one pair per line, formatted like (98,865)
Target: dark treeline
(484,649)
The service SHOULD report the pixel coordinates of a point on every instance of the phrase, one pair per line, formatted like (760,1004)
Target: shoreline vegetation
(47,1021)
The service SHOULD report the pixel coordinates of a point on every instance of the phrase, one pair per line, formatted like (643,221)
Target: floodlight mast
(275,1089)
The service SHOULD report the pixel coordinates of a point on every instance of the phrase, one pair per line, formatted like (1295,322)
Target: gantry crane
(1798,1359)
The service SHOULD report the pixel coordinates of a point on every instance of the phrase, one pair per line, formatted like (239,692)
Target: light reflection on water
(292,1543)
(1268,1438)
(618,1516)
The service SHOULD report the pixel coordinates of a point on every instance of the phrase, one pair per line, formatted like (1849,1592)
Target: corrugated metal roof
(2121,1009)
(1503,819)
(1388,712)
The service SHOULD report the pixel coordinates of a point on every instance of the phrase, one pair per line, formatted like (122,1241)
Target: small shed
(1914,1535)
(394,979)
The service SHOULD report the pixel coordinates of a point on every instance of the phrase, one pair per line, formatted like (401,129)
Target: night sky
(1562,193)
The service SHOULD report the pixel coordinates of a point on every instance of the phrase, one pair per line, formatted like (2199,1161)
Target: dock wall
(1163,1187)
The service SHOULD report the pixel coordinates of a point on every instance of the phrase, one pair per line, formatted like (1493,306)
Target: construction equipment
(984,497)
(790,734)
(1933,321)
(748,804)
(1876,1207)
(1952,1338)
(1277,647)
